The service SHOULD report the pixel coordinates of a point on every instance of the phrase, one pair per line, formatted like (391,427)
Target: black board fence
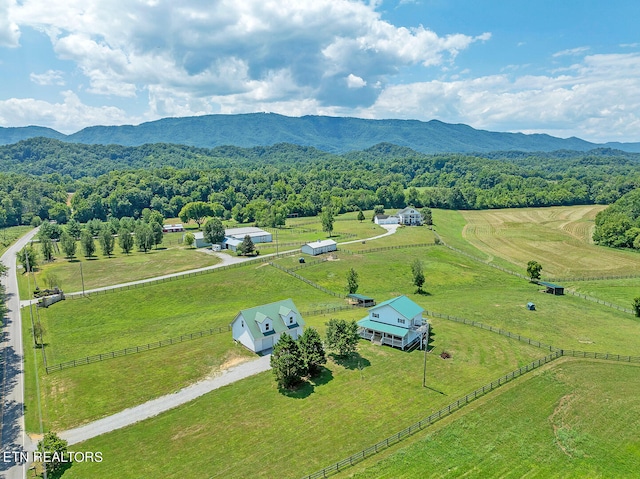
(305,280)
(427,421)
(135,349)
(178,276)
(599,301)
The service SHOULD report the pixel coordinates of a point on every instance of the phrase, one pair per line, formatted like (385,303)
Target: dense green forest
(619,224)
(249,184)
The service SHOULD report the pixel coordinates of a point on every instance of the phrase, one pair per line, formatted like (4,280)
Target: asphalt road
(14,438)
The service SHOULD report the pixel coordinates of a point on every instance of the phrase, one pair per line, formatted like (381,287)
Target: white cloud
(9,31)
(50,77)
(354,81)
(589,103)
(571,52)
(69,116)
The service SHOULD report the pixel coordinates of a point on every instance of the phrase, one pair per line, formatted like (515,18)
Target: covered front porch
(397,337)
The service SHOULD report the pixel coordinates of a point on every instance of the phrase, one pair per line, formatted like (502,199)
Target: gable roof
(258,314)
(407,210)
(321,243)
(402,305)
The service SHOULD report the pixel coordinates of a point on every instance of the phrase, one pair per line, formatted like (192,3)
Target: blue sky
(566,68)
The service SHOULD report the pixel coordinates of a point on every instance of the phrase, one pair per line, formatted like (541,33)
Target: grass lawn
(99,324)
(11,233)
(102,271)
(577,419)
(250,429)
(462,287)
(617,291)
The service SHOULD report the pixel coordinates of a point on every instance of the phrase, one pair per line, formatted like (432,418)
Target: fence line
(309,282)
(597,278)
(178,276)
(136,349)
(599,301)
(387,248)
(502,332)
(444,412)
(447,410)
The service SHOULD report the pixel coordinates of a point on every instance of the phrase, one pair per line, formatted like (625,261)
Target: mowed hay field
(559,238)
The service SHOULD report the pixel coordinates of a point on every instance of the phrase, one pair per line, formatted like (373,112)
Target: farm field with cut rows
(559,238)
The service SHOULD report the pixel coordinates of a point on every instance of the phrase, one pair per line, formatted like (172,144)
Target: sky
(565,68)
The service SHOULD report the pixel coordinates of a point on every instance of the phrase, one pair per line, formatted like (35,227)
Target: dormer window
(290,320)
(242,323)
(375,315)
(266,327)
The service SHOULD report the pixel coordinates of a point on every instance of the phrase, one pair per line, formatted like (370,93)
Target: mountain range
(330,134)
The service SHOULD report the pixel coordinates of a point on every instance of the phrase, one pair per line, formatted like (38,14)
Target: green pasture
(617,291)
(459,286)
(250,429)
(101,271)
(576,419)
(9,234)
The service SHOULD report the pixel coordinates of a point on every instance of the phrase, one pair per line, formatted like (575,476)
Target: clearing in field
(557,237)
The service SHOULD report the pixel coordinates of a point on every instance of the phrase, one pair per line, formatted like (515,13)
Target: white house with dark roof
(260,328)
(397,322)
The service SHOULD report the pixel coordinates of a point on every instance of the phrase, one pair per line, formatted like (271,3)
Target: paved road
(164,403)
(14,438)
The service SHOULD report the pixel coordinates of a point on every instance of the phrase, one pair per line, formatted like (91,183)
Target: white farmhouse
(259,328)
(409,216)
(397,322)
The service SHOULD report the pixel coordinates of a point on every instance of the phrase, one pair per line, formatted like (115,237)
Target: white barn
(260,328)
(319,247)
(257,235)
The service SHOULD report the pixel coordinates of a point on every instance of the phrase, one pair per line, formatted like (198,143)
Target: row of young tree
(292,361)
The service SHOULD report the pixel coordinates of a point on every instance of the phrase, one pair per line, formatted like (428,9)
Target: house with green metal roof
(259,328)
(397,322)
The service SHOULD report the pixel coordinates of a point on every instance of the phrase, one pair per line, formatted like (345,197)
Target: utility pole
(424,372)
(82,278)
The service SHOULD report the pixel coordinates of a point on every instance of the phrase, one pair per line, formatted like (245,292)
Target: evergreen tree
(312,351)
(286,362)
(361,217)
(68,245)
(427,216)
(57,452)
(636,306)
(352,281)
(247,247)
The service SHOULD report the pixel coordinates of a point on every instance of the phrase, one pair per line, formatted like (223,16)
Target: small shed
(319,247)
(361,300)
(552,288)
(531,306)
(200,242)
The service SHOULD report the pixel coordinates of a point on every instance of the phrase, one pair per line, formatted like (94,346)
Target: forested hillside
(619,224)
(249,184)
(332,134)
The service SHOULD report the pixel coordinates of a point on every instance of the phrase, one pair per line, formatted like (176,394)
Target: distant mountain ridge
(330,134)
